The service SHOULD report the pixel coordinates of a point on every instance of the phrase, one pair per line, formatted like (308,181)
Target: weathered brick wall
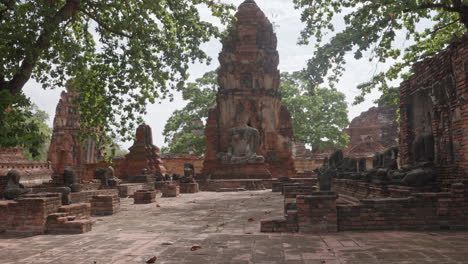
(32,172)
(433,100)
(86,196)
(174,163)
(363,190)
(423,211)
(215,185)
(317,213)
(3,183)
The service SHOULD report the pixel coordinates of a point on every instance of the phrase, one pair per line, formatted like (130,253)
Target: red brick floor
(218,223)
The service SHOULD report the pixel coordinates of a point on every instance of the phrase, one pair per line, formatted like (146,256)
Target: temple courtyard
(224,227)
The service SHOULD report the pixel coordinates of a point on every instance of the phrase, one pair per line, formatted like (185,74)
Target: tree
(120,54)
(180,127)
(372,26)
(39,118)
(318,119)
(23,125)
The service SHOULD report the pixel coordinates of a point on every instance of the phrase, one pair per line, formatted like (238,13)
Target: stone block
(171,190)
(105,205)
(188,187)
(128,189)
(144,196)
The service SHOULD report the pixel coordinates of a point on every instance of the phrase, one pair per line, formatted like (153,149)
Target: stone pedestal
(317,213)
(28,214)
(105,205)
(144,196)
(128,189)
(188,187)
(171,190)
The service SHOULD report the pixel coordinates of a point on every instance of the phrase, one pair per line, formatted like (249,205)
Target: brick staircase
(70,219)
(63,223)
(287,224)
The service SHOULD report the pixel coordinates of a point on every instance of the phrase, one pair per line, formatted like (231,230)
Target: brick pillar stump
(105,205)
(317,213)
(277,186)
(144,196)
(288,187)
(188,187)
(171,190)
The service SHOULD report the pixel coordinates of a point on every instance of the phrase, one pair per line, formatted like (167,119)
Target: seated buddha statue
(243,142)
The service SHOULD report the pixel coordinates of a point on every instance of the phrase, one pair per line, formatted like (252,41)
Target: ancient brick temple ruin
(374,130)
(66,149)
(428,190)
(248,132)
(378,126)
(143,156)
(434,113)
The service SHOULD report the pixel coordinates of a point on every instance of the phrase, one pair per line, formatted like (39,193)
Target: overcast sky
(292,58)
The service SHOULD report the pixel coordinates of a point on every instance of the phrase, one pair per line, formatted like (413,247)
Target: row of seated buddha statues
(385,168)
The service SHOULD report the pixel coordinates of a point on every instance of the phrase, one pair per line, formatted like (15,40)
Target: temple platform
(236,185)
(244,171)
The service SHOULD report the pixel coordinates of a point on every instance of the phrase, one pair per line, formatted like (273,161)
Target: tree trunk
(51,24)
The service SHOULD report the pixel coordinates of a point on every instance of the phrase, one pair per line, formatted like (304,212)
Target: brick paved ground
(218,222)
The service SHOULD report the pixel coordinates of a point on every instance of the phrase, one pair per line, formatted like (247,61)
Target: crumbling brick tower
(143,155)
(249,78)
(66,148)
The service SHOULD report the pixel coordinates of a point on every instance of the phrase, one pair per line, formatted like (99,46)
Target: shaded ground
(218,223)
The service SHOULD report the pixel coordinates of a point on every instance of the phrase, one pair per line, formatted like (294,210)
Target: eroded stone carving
(14,188)
(189,170)
(107,176)
(189,174)
(71,180)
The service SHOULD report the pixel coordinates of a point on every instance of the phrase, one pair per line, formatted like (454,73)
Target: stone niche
(434,115)
(143,155)
(248,132)
(66,149)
